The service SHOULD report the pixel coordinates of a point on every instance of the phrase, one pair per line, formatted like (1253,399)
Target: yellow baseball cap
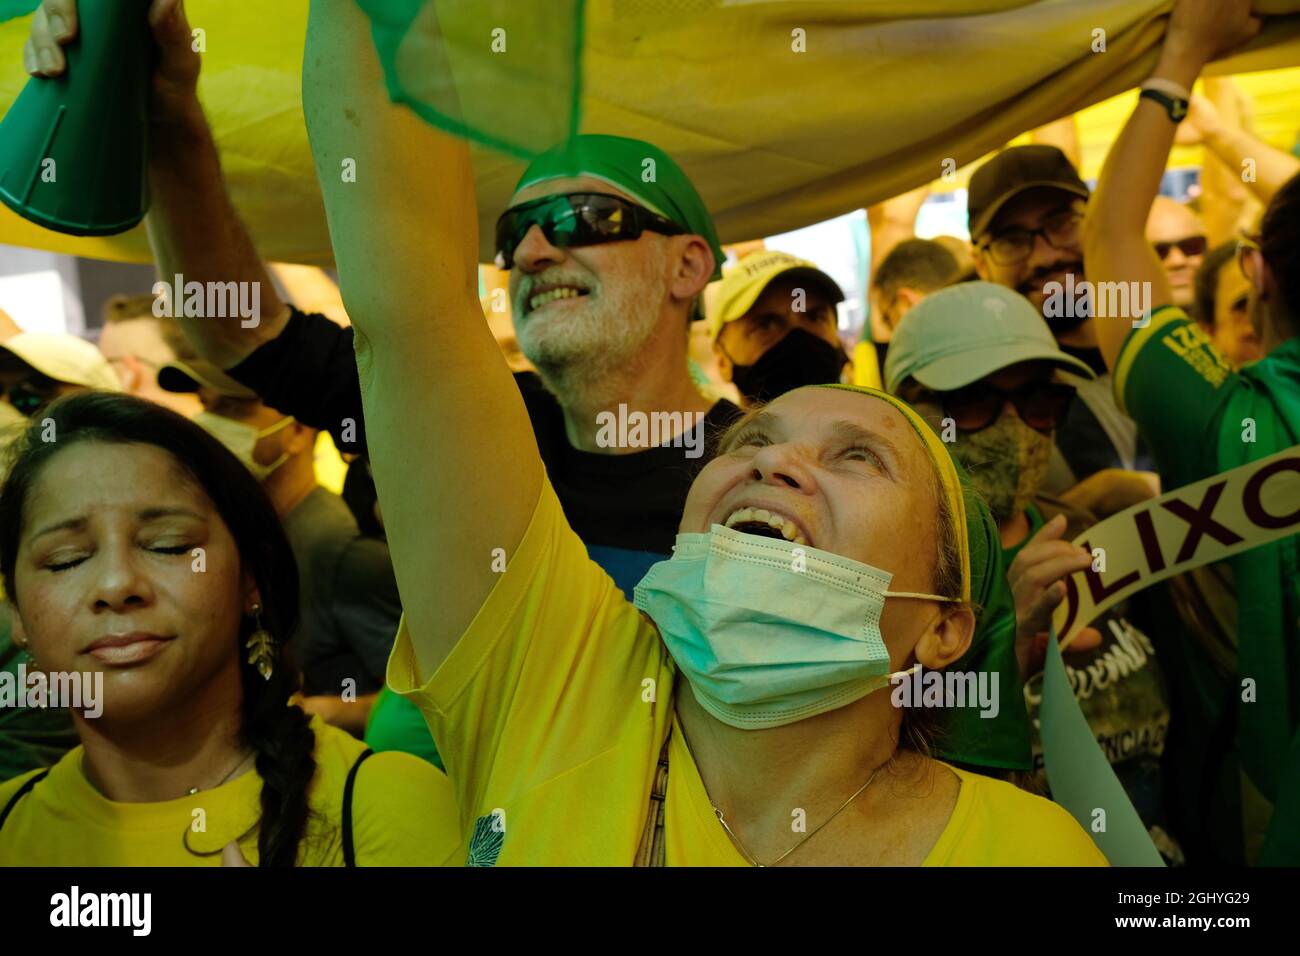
(743,283)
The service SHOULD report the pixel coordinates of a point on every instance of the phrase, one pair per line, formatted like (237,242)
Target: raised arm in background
(1115,244)
(1242,152)
(894,221)
(1225,202)
(451,446)
(193,227)
(1064,135)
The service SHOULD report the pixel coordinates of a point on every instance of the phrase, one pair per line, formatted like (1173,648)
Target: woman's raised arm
(452,449)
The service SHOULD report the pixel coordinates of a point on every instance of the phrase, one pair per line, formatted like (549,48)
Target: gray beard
(580,363)
(593,377)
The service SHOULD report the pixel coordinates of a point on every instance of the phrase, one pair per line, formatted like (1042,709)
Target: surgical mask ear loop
(920,597)
(268,470)
(896,676)
(278,426)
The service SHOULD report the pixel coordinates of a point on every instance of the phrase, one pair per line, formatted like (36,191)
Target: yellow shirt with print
(552,709)
(402,815)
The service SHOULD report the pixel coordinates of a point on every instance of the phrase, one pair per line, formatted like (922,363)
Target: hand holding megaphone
(73,147)
(56,24)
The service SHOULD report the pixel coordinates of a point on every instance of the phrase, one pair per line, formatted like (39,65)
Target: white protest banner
(1183,529)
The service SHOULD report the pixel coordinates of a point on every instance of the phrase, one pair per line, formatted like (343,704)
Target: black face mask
(799,359)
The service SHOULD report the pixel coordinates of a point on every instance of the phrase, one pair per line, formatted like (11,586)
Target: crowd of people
(511,640)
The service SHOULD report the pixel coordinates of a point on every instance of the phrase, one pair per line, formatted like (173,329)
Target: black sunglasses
(576,219)
(1041,405)
(1191,246)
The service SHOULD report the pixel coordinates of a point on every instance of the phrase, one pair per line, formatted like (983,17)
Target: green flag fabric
(505,75)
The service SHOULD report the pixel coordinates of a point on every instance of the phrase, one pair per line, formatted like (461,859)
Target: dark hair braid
(283,739)
(280,734)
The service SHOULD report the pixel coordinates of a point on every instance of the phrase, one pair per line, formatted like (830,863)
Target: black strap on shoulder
(22,791)
(349,851)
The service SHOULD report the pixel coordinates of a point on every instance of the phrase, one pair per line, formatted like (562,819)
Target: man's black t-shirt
(625,508)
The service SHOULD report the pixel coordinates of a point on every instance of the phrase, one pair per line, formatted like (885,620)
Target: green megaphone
(73,148)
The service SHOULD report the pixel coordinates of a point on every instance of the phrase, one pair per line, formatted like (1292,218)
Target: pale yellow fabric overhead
(774,139)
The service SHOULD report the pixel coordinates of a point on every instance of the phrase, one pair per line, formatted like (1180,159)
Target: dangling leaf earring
(261,646)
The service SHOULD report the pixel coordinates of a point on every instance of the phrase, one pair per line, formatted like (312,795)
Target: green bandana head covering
(1000,742)
(640,169)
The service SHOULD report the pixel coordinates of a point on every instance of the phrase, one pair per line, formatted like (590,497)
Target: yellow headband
(949,478)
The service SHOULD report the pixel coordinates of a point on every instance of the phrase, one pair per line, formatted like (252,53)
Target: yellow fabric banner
(784,112)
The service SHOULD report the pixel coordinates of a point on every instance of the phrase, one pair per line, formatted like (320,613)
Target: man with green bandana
(1238,777)
(979,363)
(609,247)
(606,270)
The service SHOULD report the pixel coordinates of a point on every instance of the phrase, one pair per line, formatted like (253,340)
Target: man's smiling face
(1031,210)
(589,304)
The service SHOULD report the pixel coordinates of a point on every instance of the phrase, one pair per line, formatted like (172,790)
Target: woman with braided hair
(139,554)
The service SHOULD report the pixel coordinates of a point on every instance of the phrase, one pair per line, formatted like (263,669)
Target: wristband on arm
(1168,94)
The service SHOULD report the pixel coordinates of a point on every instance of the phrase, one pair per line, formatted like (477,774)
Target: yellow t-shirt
(551,710)
(402,815)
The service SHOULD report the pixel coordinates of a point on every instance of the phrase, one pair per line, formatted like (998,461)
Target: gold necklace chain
(233,770)
(749,856)
(192,790)
(185,836)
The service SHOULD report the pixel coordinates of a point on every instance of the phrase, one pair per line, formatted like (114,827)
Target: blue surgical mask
(768,632)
